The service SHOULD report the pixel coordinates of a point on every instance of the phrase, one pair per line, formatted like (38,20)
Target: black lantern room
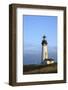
(44,41)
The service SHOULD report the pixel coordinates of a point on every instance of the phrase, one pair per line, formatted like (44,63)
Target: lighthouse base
(48,61)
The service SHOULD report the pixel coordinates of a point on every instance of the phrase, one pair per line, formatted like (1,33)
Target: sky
(37,26)
(34,29)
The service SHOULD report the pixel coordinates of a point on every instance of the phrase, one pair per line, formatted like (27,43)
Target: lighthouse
(44,49)
(45,58)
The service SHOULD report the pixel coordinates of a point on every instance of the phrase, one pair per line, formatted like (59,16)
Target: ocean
(36,57)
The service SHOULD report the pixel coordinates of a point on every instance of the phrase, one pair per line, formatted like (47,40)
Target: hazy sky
(37,26)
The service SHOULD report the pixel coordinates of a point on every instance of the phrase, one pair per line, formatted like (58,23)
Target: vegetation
(39,69)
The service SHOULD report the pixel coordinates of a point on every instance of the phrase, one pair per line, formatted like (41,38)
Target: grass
(39,69)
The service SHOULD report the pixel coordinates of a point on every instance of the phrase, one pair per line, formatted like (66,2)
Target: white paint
(50,62)
(44,52)
(44,77)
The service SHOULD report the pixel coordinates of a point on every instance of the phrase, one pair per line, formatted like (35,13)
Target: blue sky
(37,26)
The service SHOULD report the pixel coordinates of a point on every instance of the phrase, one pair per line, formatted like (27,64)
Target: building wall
(44,52)
(50,62)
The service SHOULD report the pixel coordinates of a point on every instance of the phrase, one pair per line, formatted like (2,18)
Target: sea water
(36,57)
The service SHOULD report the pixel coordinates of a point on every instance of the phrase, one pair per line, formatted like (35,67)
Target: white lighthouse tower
(44,49)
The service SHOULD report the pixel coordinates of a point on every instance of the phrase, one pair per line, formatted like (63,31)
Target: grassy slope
(38,69)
